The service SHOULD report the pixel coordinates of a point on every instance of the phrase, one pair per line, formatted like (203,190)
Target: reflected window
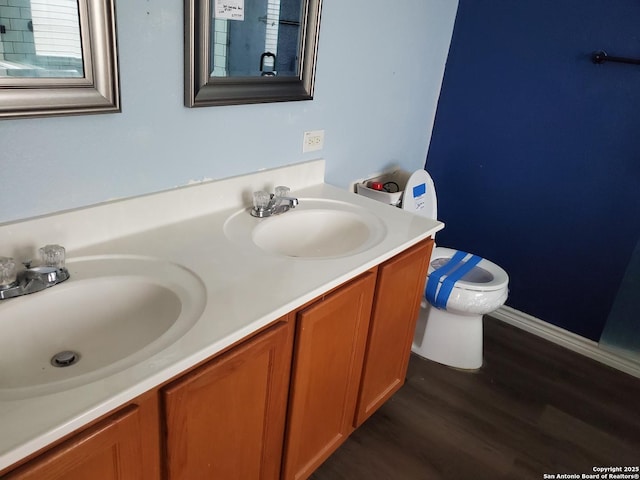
(41,38)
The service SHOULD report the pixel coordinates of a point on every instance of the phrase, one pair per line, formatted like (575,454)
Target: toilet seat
(486,276)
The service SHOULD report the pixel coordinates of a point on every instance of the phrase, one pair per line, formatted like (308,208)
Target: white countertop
(246,288)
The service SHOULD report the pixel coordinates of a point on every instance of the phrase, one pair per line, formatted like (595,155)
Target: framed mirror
(58,57)
(250,51)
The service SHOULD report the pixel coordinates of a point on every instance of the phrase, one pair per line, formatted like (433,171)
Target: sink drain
(65,359)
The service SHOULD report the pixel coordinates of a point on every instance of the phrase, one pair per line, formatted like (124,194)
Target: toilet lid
(419,195)
(484,277)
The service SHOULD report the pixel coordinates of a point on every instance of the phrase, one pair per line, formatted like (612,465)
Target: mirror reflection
(255,38)
(58,57)
(40,38)
(250,51)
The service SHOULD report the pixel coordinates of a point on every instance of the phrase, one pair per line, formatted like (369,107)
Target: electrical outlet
(313,141)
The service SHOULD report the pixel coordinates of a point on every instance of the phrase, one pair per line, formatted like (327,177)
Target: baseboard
(566,339)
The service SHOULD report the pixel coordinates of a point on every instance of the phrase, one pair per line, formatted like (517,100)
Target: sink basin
(112,313)
(316,229)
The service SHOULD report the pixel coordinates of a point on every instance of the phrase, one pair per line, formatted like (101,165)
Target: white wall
(380,66)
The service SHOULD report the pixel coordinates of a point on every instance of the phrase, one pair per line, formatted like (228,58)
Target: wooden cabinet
(399,289)
(329,348)
(110,450)
(225,420)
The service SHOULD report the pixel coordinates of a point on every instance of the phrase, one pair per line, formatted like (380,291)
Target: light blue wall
(379,71)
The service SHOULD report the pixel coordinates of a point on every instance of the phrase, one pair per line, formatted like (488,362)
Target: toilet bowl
(452,334)
(460,289)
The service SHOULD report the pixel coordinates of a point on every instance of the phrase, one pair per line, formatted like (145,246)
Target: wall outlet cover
(313,141)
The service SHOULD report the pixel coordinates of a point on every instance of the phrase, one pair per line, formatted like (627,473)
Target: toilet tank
(419,195)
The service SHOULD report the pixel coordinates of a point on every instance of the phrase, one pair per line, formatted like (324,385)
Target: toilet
(460,289)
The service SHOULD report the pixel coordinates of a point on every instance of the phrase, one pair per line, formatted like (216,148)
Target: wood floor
(534,408)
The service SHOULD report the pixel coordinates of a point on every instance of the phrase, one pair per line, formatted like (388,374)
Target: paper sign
(229,9)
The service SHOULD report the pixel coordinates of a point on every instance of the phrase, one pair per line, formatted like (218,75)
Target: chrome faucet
(14,283)
(266,204)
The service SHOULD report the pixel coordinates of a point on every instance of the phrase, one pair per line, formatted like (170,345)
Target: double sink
(162,282)
(116,311)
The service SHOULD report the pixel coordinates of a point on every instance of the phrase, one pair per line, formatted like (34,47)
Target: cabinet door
(225,420)
(110,450)
(330,340)
(399,289)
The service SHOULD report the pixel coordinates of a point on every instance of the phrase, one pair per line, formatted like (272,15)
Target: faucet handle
(261,200)
(53,256)
(8,271)
(282,191)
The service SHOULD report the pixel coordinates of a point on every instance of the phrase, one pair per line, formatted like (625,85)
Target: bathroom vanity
(288,356)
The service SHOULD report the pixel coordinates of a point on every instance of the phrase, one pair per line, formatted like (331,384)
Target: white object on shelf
(399,177)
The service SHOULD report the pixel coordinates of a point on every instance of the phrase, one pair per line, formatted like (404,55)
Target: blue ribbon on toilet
(453,270)
(435,276)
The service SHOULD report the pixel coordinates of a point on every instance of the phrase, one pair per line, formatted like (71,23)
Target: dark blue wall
(535,151)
